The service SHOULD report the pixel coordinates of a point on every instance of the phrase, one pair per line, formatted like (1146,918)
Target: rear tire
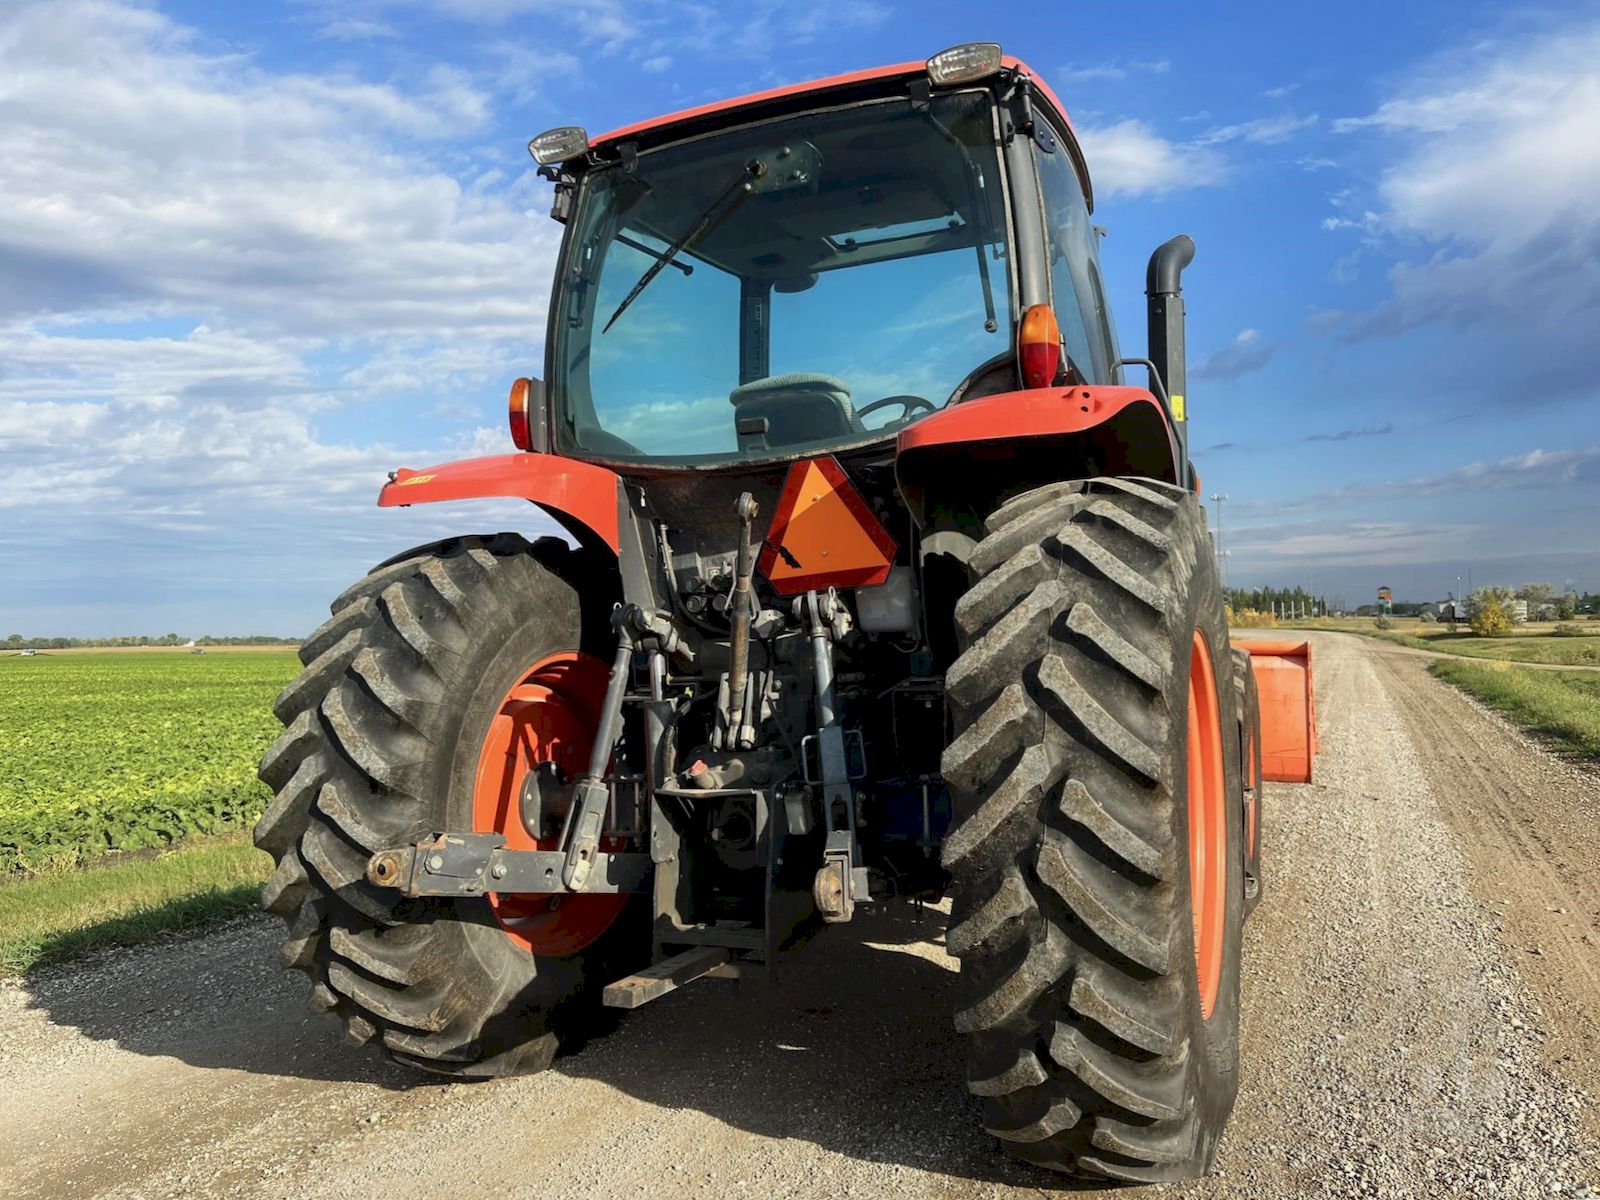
(1092,1044)
(383,733)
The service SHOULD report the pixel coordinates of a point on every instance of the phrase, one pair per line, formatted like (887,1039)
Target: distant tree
(1503,596)
(1536,594)
(15,639)
(1490,619)
(1566,606)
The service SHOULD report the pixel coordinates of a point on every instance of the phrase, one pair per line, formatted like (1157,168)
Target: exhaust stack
(1163,289)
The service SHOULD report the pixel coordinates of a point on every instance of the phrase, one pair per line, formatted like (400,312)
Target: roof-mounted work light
(963,64)
(558,145)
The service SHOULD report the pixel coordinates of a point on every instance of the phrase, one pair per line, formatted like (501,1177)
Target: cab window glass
(1078,301)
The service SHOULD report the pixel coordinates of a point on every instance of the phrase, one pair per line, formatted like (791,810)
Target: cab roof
(851,79)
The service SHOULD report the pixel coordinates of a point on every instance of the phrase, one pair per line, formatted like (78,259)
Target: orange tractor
(879,584)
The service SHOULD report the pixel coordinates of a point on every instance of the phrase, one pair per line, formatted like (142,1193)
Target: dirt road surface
(1422,1018)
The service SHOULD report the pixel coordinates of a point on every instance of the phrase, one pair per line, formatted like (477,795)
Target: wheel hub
(540,734)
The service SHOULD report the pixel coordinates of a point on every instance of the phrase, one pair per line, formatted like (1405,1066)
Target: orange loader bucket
(1288,708)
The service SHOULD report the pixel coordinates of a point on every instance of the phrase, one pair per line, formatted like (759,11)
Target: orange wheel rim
(1208,825)
(548,716)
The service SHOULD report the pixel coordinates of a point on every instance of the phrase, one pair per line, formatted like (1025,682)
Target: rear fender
(969,458)
(585,499)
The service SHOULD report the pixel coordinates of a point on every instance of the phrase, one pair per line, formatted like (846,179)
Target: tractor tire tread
(1069,919)
(346,775)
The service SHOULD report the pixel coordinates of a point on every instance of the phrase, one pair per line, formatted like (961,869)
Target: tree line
(1540,597)
(1543,601)
(1280,600)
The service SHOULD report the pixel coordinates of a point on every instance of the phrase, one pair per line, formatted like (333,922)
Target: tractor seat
(798,408)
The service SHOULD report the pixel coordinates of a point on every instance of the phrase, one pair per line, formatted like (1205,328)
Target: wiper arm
(656,254)
(714,214)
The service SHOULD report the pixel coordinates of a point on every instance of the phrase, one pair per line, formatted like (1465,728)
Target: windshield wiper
(656,254)
(713,216)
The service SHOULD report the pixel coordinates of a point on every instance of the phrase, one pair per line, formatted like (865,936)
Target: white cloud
(1497,166)
(148,372)
(203,264)
(641,29)
(1348,543)
(1130,158)
(1267,131)
(1246,353)
(348,29)
(1368,222)
(1532,469)
(172,181)
(1526,115)
(1113,69)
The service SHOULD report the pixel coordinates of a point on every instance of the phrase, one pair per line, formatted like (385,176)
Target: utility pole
(1222,559)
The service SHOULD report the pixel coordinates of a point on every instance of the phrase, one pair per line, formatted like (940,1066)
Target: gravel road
(1421,1018)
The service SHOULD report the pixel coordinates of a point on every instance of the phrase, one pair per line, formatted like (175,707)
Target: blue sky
(253,256)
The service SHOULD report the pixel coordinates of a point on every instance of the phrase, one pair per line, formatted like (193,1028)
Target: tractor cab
(814,272)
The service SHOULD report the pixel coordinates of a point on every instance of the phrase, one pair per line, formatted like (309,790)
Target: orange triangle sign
(823,534)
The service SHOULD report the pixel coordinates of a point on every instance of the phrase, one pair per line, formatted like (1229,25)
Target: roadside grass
(1533,647)
(53,916)
(1562,705)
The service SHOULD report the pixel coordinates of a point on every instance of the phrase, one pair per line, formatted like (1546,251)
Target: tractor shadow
(219,1001)
(852,1050)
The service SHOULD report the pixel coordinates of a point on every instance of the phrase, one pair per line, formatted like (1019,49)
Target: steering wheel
(908,405)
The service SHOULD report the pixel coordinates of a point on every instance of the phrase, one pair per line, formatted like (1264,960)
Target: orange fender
(1288,709)
(580,495)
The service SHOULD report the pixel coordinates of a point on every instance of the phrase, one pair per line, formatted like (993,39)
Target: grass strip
(51,917)
(1561,705)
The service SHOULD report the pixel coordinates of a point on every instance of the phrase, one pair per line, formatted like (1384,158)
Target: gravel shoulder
(1401,1036)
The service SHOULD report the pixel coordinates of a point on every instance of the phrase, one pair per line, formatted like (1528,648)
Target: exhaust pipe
(1163,289)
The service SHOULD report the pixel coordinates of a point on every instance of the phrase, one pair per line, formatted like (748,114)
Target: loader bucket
(1288,709)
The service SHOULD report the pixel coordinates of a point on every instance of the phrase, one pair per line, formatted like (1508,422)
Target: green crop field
(105,752)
